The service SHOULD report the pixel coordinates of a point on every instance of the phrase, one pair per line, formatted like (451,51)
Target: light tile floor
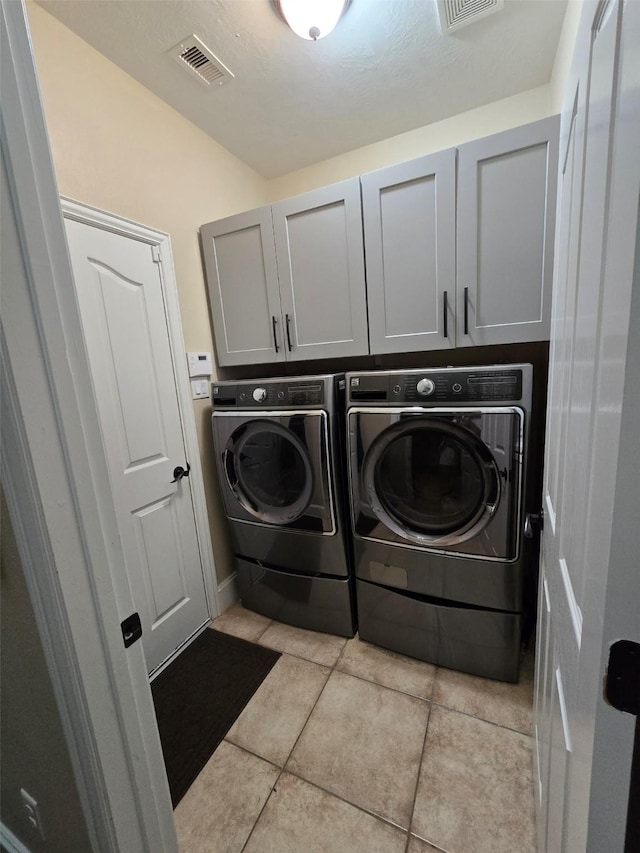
(350,748)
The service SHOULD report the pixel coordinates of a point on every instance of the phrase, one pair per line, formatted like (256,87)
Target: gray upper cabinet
(505,230)
(318,239)
(458,247)
(242,279)
(286,283)
(409,233)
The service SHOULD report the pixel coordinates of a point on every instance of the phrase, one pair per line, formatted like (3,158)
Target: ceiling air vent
(455,14)
(198,60)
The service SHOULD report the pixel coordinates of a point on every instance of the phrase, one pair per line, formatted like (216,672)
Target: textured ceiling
(384,70)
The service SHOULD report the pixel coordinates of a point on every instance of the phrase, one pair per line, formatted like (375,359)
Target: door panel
(543,687)
(128,341)
(319,251)
(562,339)
(559,753)
(157,529)
(242,280)
(125,328)
(409,232)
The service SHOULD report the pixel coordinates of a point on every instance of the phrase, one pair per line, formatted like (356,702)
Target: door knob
(179,472)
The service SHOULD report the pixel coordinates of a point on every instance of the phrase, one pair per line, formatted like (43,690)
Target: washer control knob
(426,387)
(259,395)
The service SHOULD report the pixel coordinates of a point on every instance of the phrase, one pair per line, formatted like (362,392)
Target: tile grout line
(385,686)
(482,719)
(255,823)
(329,793)
(422,755)
(342,799)
(275,786)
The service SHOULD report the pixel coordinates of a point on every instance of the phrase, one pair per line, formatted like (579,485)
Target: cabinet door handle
(288,319)
(466,310)
(275,337)
(445,330)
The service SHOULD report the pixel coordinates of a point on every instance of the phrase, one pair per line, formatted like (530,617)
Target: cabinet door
(242,280)
(409,235)
(321,269)
(506,218)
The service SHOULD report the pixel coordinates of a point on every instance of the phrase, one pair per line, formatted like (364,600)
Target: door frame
(160,241)
(53,473)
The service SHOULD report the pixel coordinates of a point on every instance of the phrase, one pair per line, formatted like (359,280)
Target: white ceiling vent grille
(455,14)
(198,60)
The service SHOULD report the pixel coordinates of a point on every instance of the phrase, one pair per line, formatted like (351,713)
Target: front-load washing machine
(279,448)
(437,467)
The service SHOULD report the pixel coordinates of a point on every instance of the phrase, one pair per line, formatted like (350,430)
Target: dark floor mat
(198,698)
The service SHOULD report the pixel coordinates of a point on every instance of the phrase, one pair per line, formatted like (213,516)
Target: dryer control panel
(273,394)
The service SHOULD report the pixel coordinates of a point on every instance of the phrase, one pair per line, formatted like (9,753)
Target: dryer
(279,448)
(437,468)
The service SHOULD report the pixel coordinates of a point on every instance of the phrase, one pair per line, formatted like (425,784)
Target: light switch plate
(199,389)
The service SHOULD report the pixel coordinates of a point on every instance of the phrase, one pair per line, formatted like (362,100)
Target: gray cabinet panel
(506,204)
(242,281)
(409,231)
(319,252)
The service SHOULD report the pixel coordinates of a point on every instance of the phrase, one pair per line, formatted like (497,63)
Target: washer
(437,465)
(279,446)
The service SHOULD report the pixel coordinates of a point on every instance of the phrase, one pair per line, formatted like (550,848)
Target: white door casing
(121,296)
(54,475)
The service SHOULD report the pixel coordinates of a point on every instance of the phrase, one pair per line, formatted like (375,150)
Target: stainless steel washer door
(438,480)
(274,469)
(431,481)
(269,470)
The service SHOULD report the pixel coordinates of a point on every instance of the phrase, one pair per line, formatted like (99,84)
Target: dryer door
(439,480)
(273,469)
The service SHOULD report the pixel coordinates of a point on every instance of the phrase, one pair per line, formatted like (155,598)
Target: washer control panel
(450,385)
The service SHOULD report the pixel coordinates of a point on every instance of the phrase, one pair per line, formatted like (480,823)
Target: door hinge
(155,254)
(622,681)
(131,629)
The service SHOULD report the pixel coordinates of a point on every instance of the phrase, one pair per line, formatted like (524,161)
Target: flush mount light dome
(312,19)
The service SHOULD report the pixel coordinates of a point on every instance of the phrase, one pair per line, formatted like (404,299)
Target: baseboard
(228,592)
(10,842)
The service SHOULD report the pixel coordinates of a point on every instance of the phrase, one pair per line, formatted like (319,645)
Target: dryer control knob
(260,395)
(426,387)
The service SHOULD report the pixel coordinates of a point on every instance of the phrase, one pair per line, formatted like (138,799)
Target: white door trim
(53,471)
(89,215)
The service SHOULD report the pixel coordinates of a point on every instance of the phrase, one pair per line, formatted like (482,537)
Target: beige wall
(564,55)
(492,118)
(118,147)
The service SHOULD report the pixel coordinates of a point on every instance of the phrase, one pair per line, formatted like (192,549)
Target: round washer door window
(269,470)
(432,480)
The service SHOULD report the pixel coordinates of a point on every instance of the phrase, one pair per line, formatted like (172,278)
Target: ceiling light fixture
(312,19)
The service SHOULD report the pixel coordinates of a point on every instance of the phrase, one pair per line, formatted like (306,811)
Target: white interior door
(581,580)
(125,327)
